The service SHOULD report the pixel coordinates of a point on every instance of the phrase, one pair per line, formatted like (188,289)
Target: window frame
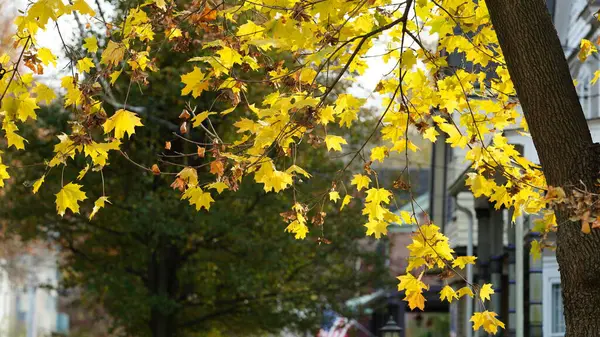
(551,278)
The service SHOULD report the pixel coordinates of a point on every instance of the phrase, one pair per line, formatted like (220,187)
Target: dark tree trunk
(541,76)
(163,285)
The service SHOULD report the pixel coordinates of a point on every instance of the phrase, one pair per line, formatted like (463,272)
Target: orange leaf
(201,151)
(183,128)
(155,169)
(208,14)
(178,184)
(216,167)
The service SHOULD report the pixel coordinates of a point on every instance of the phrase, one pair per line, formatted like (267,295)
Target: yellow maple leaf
(82,7)
(488,320)
(219,186)
(334,196)
(113,53)
(326,115)
(465,291)
(448,294)
(114,76)
(44,93)
(194,83)
(415,300)
(229,57)
(123,122)
(361,181)
(46,56)
(346,201)
(189,175)
(85,64)
(12,137)
(91,44)
(485,292)
(297,169)
(431,134)
(379,153)
(334,142)
(69,197)
(26,107)
(250,30)
(196,196)
(3,174)
(173,33)
(462,261)
(161,4)
(377,228)
(455,138)
(83,172)
(536,250)
(97,205)
(586,49)
(98,152)
(272,179)
(201,117)
(378,195)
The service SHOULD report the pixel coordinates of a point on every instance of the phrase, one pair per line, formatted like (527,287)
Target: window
(553,318)
(558,319)
(584,92)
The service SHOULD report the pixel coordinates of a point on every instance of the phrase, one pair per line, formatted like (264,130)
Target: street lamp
(390,329)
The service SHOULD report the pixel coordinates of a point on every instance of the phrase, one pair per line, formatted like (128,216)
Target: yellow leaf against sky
(46,56)
(91,44)
(68,198)
(85,64)
(123,122)
(82,7)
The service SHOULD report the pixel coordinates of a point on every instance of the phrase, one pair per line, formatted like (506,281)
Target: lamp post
(390,329)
